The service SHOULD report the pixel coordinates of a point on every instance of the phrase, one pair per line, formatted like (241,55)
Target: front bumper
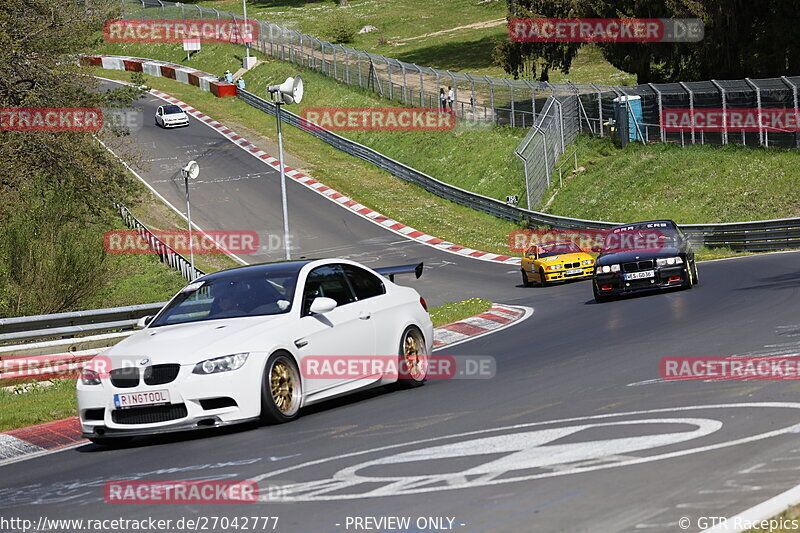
(560,275)
(196,402)
(665,278)
(175,124)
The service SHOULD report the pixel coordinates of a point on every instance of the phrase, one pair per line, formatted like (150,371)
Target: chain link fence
(556,128)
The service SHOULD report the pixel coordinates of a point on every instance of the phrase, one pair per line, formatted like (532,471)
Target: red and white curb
(38,440)
(333,195)
(496,318)
(119,63)
(61,434)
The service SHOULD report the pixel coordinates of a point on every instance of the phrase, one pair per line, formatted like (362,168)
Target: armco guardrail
(741,236)
(50,346)
(166,254)
(69,325)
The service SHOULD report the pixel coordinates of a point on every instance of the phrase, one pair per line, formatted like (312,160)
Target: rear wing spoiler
(402,269)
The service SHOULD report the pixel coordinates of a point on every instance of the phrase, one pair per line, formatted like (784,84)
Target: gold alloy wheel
(283,386)
(414,361)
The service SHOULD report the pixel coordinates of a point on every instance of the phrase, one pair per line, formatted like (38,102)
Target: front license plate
(641,275)
(573,271)
(137,399)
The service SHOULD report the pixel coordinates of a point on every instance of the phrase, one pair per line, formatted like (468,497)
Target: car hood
(196,341)
(565,258)
(176,116)
(637,255)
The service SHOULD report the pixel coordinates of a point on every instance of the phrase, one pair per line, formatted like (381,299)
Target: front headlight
(221,364)
(555,267)
(586,262)
(605,269)
(667,261)
(90,377)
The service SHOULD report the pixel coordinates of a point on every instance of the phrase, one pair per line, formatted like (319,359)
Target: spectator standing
(442,99)
(228,76)
(240,83)
(450,97)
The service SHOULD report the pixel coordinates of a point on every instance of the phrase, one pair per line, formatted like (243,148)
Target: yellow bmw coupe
(555,261)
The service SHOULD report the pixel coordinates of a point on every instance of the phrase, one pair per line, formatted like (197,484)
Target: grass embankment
(40,404)
(691,185)
(449,34)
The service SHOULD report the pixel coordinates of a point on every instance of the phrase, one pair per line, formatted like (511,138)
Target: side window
(327,281)
(365,284)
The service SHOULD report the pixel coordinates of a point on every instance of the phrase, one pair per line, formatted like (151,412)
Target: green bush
(51,256)
(340,27)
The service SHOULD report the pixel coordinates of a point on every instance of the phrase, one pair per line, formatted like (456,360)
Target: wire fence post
(724,112)
(691,106)
(758,104)
(796,112)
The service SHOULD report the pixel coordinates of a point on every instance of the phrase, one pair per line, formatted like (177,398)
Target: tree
(743,38)
(54,186)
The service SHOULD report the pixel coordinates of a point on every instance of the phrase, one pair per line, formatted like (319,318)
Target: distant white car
(171,116)
(230,347)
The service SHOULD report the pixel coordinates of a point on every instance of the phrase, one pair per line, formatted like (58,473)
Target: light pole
(244,29)
(190,171)
(289,92)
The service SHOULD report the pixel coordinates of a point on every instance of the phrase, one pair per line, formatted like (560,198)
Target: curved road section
(575,431)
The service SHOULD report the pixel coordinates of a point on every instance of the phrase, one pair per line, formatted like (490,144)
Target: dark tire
(281,389)
(111,442)
(412,361)
(542,278)
(689,277)
(525,281)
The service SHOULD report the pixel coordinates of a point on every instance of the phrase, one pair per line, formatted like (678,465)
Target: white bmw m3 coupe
(230,348)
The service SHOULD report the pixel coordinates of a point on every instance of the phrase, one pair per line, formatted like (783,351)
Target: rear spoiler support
(402,269)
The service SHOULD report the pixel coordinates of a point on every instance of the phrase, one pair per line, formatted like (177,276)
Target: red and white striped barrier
(162,69)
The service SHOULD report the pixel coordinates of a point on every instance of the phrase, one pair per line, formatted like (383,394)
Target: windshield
(265,293)
(556,248)
(172,109)
(652,235)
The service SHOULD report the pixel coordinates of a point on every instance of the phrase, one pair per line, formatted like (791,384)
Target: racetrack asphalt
(575,432)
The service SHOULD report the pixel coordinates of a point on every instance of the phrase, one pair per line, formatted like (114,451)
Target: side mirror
(144,321)
(322,305)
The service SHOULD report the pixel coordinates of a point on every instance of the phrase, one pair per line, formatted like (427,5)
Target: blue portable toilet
(628,112)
